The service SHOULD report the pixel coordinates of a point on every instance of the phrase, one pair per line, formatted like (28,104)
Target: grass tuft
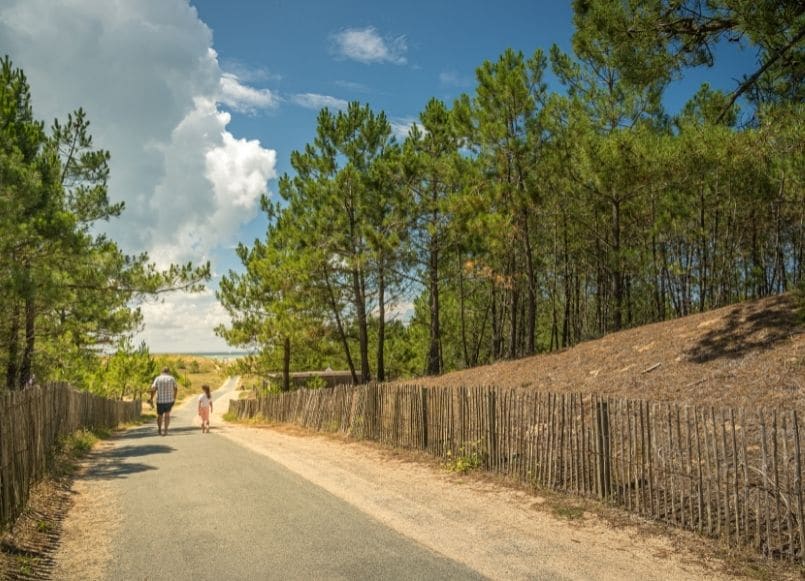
(469,458)
(80,442)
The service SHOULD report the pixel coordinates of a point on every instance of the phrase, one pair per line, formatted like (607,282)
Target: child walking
(205,408)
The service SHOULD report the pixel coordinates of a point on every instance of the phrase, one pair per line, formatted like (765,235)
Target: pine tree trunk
(703,289)
(462,312)
(617,318)
(363,334)
(381,323)
(531,305)
(513,304)
(12,370)
(286,364)
(783,275)
(497,332)
(30,339)
(341,334)
(434,362)
(567,283)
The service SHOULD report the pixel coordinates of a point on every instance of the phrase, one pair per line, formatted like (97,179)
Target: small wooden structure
(303,378)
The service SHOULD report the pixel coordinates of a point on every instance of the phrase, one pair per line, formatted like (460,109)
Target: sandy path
(491,529)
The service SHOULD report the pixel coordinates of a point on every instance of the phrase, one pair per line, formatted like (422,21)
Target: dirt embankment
(750,354)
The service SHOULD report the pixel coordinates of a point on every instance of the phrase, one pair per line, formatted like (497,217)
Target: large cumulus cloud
(146,73)
(148,77)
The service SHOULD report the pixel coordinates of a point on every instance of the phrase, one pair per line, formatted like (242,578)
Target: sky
(201,103)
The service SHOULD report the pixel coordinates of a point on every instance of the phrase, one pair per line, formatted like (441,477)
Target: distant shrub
(316,382)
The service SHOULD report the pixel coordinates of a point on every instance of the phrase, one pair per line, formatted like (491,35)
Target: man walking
(165,388)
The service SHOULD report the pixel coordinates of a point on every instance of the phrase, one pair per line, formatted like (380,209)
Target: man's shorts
(164,407)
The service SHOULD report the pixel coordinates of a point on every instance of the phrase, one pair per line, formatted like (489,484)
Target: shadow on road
(136,450)
(150,431)
(114,462)
(112,470)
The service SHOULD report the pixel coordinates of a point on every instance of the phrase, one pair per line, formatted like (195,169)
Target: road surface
(199,506)
(249,503)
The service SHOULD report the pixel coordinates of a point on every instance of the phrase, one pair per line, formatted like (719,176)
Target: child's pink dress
(204,407)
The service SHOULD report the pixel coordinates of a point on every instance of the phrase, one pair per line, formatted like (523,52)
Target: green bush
(80,442)
(316,382)
(469,458)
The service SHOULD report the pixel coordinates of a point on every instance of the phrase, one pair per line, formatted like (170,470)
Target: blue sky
(294,47)
(435,49)
(202,103)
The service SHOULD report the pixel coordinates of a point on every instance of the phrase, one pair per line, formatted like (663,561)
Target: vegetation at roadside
(80,442)
(525,217)
(254,421)
(28,545)
(468,459)
(191,372)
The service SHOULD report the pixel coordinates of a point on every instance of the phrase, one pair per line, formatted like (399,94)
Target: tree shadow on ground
(111,463)
(150,431)
(136,450)
(113,470)
(748,327)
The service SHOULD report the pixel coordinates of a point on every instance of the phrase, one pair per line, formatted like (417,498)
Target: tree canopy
(520,219)
(66,291)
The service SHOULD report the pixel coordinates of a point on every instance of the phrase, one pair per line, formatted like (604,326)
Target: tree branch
(756,75)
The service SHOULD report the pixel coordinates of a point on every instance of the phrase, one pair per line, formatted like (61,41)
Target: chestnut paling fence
(32,422)
(724,472)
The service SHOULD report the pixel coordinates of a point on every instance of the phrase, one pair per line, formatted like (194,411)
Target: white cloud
(454,79)
(400,126)
(365,45)
(198,314)
(238,170)
(397,311)
(146,73)
(353,86)
(243,98)
(248,73)
(315,101)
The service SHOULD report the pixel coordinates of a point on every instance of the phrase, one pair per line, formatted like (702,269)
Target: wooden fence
(31,423)
(728,473)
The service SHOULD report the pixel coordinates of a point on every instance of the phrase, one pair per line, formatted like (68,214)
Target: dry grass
(750,354)
(198,370)
(250,386)
(27,547)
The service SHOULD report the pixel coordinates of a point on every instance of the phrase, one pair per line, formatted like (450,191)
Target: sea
(220,355)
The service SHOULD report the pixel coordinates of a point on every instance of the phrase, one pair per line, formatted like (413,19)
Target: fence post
(798,486)
(493,437)
(423,399)
(605,476)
